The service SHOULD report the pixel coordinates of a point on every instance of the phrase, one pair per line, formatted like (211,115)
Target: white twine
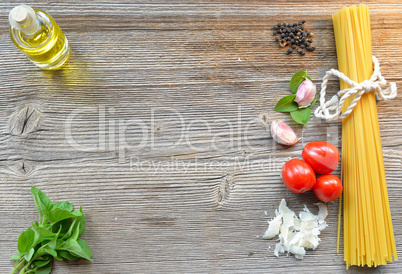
(376,83)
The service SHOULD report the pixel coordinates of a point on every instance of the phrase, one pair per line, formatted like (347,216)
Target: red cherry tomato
(328,188)
(298,176)
(322,156)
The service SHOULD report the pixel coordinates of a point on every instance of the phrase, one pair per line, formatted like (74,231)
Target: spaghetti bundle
(367,226)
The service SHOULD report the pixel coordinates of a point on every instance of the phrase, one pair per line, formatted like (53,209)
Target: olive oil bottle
(39,37)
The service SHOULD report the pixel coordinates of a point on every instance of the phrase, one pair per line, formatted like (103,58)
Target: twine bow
(377,83)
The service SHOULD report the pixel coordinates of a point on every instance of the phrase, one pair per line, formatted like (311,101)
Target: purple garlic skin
(283,134)
(305,94)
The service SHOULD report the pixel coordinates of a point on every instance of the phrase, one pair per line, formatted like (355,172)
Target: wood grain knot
(22,168)
(264,119)
(24,121)
(225,187)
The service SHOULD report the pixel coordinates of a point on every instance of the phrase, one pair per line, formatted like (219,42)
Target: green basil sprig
(56,235)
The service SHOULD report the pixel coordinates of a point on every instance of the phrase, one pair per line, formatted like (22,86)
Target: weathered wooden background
(156,127)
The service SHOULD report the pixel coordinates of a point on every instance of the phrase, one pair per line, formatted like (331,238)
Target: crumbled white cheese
(273,227)
(296,234)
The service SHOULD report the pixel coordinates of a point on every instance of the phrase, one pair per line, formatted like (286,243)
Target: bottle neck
(24,19)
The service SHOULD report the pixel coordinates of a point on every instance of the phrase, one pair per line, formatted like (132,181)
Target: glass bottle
(39,37)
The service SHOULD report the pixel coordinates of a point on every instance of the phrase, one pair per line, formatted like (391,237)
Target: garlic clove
(305,94)
(283,134)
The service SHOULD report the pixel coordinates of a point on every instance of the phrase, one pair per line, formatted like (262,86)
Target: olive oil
(39,37)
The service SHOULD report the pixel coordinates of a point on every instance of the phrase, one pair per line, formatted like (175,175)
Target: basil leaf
(25,240)
(58,214)
(53,243)
(29,254)
(58,257)
(297,79)
(62,225)
(42,202)
(77,213)
(76,233)
(301,115)
(49,248)
(64,205)
(78,222)
(42,263)
(85,247)
(287,104)
(70,230)
(44,251)
(45,269)
(75,248)
(67,255)
(16,257)
(81,222)
(42,234)
(51,251)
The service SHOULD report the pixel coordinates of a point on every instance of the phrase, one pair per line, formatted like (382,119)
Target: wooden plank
(158,128)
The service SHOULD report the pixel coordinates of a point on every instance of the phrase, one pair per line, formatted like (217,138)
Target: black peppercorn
(294,35)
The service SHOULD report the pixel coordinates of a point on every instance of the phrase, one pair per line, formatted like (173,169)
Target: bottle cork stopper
(20,14)
(23,18)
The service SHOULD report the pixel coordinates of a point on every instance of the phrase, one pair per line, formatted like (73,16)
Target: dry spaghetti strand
(367,224)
